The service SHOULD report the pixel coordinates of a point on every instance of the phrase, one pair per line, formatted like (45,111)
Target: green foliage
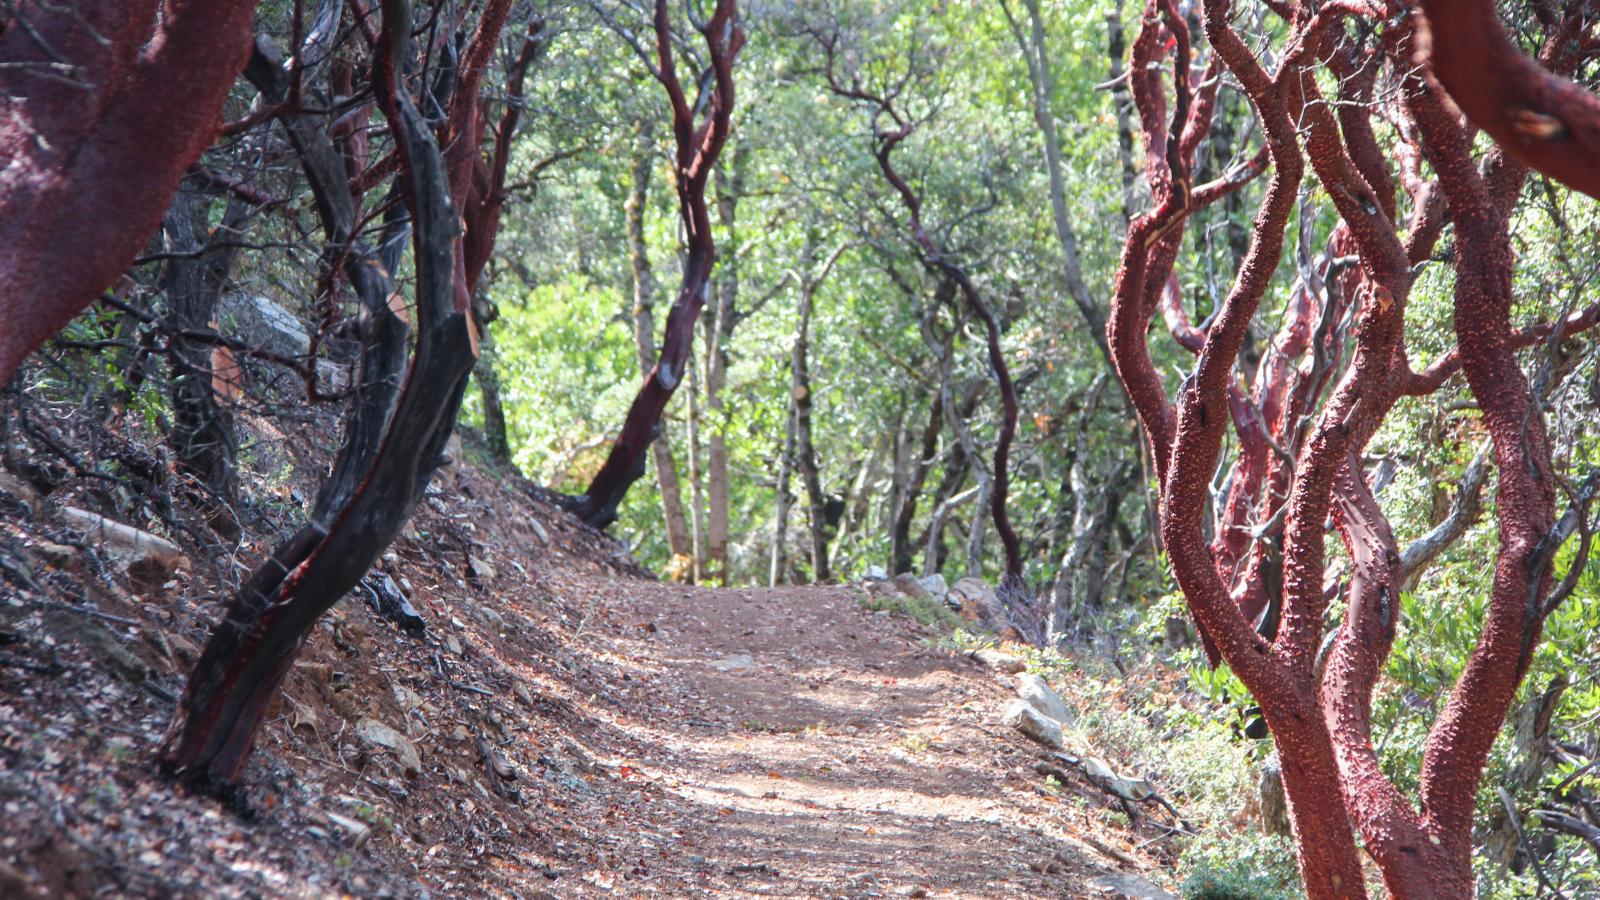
(1242,866)
(922,610)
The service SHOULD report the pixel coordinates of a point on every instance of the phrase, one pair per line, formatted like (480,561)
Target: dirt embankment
(562,726)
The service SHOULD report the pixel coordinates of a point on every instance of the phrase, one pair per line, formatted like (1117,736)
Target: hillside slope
(564,726)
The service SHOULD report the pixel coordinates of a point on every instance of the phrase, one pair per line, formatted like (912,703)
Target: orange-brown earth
(581,730)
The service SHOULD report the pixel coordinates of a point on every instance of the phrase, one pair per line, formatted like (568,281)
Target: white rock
(738,662)
(1033,724)
(877,573)
(1036,692)
(374,732)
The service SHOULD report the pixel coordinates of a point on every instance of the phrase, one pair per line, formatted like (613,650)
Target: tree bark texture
(88,177)
(394,442)
(644,328)
(203,441)
(1316,416)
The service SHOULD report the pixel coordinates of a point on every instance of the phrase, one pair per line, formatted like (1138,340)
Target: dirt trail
(806,747)
(564,727)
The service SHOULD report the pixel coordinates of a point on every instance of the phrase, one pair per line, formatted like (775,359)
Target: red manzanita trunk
(698,146)
(1278,503)
(93,152)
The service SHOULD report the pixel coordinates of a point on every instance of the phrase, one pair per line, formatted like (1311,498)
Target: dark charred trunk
(203,441)
(394,443)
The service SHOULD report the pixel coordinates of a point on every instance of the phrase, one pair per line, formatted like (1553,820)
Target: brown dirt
(850,758)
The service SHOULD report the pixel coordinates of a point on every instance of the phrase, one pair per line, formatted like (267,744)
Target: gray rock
(877,573)
(374,732)
(975,589)
(1000,661)
(738,662)
(977,603)
(1123,886)
(1035,691)
(1033,724)
(910,585)
(262,323)
(934,585)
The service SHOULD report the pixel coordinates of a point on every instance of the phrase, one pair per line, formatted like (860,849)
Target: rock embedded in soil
(935,586)
(738,662)
(977,602)
(1036,692)
(374,732)
(1000,661)
(910,585)
(1034,725)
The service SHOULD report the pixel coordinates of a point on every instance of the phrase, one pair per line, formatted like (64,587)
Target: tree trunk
(395,440)
(203,441)
(644,328)
(697,499)
(494,413)
(901,548)
(780,528)
(1035,50)
(93,160)
(698,145)
(719,329)
(805,449)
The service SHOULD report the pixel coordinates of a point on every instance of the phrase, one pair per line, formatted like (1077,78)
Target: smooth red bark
(698,145)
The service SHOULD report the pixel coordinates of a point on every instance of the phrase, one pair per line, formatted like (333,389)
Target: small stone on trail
(738,662)
(1033,724)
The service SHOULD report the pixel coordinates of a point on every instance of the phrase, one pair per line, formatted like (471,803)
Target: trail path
(806,747)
